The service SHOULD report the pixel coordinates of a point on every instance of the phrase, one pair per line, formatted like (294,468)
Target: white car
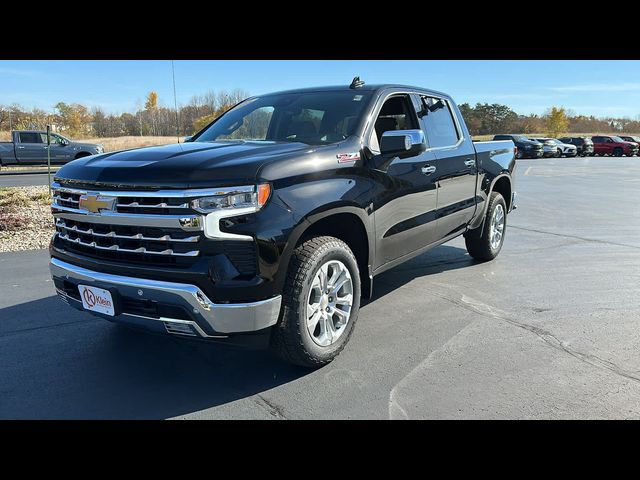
(557,149)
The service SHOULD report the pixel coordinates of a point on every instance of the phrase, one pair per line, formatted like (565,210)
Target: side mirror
(187,138)
(402,143)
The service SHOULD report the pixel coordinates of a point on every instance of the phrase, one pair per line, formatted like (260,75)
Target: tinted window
(502,137)
(597,139)
(439,124)
(308,117)
(30,137)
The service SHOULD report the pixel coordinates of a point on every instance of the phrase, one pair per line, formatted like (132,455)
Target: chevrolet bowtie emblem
(96,203)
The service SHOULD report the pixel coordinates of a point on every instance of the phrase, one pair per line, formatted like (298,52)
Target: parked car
(527,148)
(631,138)
(584,145)
(613,145)
(272,222)
(29,147)
(556,148)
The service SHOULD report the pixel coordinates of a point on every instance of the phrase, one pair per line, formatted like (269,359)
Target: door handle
(428,169)
(470,163)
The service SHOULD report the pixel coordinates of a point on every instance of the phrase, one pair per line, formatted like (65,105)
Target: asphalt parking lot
(547,330)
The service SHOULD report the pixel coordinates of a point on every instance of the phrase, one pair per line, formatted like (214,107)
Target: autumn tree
(74,118)
(151,107)
(556,122)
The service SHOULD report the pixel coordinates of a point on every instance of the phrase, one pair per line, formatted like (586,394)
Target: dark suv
(583,144)
(527,148)
(631,138)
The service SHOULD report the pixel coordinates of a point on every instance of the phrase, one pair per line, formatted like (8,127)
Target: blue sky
(601,88)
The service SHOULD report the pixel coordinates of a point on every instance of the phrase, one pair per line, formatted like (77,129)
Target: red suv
(612,145)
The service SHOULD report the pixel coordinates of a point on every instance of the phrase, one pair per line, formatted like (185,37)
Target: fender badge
(348,157)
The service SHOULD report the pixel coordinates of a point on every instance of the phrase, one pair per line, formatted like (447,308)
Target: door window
(397,113)
(30,137)
(439,123)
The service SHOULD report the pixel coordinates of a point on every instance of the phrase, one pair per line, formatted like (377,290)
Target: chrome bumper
(222,318)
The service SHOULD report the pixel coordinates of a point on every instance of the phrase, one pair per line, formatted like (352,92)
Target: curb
(27,172)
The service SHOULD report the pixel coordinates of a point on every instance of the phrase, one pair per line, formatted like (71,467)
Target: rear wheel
(617,152)
(321,300)
(485,243)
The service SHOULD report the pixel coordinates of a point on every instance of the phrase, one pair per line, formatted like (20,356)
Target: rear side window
(502,137)
(438,123)
(30,137)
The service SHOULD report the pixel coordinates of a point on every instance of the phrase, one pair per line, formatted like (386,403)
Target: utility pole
(49,157)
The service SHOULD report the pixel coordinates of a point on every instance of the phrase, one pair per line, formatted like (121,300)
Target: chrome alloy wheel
(329,303)
(497,227)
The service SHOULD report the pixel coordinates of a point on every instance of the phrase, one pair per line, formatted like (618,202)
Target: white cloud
(17,72)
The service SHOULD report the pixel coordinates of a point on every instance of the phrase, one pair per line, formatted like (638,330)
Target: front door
(405,210)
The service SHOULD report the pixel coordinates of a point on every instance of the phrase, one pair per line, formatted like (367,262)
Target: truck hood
(182,165)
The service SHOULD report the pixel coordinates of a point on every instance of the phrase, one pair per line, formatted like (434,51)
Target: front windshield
(617,139)
(521,138)
(310,117)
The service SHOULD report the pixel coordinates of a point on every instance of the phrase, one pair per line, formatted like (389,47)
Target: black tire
(519,154)
(478,240)
(558,153)
(617,152)
(290,338)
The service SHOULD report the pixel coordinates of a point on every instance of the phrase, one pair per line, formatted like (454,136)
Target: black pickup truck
(270,224)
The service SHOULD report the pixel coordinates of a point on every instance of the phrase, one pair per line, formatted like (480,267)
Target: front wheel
(321,301)
(485,243)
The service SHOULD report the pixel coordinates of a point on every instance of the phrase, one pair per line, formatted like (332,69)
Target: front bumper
(175,308)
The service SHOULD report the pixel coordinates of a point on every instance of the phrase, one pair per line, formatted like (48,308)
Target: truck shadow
(60,363)
(73,365)
(441,259)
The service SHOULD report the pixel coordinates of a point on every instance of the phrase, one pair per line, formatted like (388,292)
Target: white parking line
(526,172)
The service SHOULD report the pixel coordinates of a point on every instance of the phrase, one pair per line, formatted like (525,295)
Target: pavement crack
(576,237)
(272,408)
(548,337)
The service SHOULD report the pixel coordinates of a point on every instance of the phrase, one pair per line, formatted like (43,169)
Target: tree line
(153,119)
(490,119)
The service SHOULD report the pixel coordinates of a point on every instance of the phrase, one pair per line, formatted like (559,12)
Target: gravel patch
(25,218)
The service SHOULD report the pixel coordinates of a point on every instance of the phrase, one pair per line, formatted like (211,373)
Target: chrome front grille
(126,239)
(130,203)
(154,228)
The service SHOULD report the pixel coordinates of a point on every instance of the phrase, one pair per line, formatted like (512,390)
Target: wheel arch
(348,223)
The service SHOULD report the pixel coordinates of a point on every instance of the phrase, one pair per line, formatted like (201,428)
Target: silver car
(555,148)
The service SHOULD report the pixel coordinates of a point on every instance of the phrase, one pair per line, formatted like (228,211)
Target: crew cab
(526,147)
(613,145)
(269,225)
(29,147)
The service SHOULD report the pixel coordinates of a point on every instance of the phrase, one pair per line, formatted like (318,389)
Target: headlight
(527,147)
(99,149)
(250,197)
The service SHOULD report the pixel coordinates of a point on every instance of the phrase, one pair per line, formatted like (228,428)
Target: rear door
(456,172)
(31,148)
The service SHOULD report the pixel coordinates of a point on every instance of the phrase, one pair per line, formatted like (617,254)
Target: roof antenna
(356,83)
